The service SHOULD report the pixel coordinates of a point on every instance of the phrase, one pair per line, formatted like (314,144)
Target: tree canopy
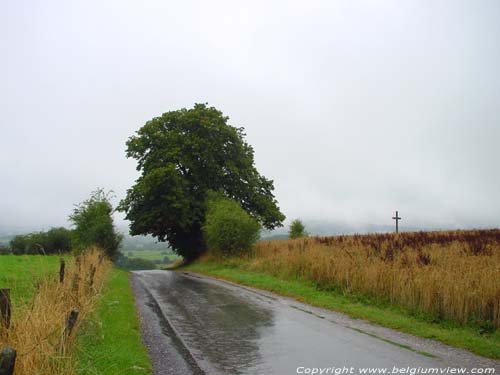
(182,155)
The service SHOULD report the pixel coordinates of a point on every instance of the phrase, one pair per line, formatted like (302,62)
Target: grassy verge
(468,338)
(110,341)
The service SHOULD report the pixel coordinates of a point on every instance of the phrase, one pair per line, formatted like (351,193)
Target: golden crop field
(452,275)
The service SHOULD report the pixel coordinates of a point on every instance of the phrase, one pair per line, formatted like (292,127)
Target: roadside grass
(466,337)
(109,342)
(21,272)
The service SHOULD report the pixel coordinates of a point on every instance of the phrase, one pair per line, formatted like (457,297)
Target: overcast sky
(354,108)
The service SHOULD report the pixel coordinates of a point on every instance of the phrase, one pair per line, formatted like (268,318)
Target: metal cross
(397,218)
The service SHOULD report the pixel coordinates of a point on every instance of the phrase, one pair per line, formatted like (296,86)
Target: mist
(354,108)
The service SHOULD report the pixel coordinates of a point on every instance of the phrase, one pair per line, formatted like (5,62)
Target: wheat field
(452,275)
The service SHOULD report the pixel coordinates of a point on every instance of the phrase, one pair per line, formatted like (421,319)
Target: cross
(397,218)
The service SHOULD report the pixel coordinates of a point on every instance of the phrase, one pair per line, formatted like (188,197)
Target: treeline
(93,226)
(53,241)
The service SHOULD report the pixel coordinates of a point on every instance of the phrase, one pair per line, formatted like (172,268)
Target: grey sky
(354,108)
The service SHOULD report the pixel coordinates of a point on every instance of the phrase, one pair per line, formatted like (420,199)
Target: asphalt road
(198,325)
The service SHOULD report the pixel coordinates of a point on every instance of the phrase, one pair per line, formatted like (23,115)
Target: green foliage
(4,250)
(54,241)
(181,156)
(297,229)
(19,244)
(93,223)
(229,229)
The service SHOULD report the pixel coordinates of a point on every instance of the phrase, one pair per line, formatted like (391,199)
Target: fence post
(62,266)
(91,276)
(7,361)
(5,307)
(70,323)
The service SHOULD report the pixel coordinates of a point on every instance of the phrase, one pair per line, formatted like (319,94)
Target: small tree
(93,223)
(229,229)
(297,229)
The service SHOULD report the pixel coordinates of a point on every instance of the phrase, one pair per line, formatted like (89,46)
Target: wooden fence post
(62,266)
(7,361)
(5,307)
(91,275)
(70,323)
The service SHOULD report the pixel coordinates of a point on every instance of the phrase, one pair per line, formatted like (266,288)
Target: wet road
(196,325)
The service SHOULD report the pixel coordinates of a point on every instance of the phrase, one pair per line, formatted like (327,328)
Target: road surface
(198,325)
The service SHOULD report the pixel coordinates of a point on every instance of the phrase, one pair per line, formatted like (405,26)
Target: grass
(20,273)
(387,315)
(110,343)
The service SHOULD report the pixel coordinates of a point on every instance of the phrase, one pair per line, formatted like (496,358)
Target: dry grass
(37,331)
(452,275)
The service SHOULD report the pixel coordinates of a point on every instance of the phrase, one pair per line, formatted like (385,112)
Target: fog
(354,108)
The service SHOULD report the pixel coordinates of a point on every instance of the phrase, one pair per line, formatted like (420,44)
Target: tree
(19,244)
(182,155)
(93,223)
(229,229)
(297,229)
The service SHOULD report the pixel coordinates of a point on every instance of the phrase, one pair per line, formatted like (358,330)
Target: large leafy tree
(182,155)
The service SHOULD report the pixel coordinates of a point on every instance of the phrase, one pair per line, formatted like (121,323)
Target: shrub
(228,229)
(297,229)
(93,223)
(19,244)
(4,250)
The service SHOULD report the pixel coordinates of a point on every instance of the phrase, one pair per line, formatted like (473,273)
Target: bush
(297,229)
(4,250)
(19,244)
(228,229)
(93,223)
(54,241)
